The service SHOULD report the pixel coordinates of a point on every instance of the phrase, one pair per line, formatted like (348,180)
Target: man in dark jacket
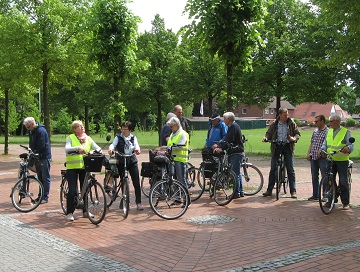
(233,140)
(40,144)
(283,130)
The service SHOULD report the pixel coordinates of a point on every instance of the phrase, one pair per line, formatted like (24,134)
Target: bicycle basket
(161,160)
(147,169)
(155,153)
(93,162)
(33,163)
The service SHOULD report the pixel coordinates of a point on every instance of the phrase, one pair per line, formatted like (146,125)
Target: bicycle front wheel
(125,197)
(147,182)
(27,194)
(195,183)
(327,194)
(64,190)
(278,179)
(225,187)
(169,199)
(252,179)
(95,202)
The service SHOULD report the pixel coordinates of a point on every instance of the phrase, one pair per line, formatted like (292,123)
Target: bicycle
(112,188)
(151,173)
(92,194)
(168,198)
(281,179)
(28,191)
(222,183)
(328,190)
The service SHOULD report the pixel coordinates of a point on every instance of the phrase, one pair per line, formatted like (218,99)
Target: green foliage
(350,122)
(297,121)
(62,122)
(13,117)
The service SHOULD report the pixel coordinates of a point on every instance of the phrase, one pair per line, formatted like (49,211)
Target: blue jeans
(316,165)
(43,172)
(180,172)
(289,164)
(235,160)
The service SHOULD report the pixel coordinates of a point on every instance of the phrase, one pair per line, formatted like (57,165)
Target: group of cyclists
(222,135)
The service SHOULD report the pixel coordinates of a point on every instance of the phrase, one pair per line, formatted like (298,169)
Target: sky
(169,10)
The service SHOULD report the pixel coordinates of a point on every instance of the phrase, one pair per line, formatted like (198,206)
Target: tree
(54,27)
(197,75)
(228,29)
(344,30)
(113,45)
(157,48)
(288,66)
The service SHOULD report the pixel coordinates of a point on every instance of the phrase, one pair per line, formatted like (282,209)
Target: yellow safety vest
(76,161)
(334,144)
(182,155)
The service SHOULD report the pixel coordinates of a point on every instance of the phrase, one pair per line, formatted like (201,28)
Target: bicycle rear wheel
(125,197)
(225,187)
(327,194)
(110,188)
(169,199)
(64,190)
(25,193)
(252,179)
(147,182)
(195,183)
(95,202)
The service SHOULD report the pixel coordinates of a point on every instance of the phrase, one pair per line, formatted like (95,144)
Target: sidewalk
(250,234)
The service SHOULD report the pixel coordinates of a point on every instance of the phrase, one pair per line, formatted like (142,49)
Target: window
(243,110)
(266,111)
(313,113)
(272,111)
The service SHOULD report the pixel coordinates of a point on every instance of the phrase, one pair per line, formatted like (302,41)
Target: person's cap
(215,116)
(169,115)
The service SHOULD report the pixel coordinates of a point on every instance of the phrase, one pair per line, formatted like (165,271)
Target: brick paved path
(250,234)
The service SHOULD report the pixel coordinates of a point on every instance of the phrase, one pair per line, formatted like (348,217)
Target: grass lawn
(254,145)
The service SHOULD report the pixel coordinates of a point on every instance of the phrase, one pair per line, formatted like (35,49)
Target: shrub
(350,122)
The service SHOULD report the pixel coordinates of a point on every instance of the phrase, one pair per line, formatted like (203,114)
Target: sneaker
(242,195)
(44,201)
(293,195)
(85,215)
(267,193)
(70,217)
(346,207)
(313,198)
(139,207)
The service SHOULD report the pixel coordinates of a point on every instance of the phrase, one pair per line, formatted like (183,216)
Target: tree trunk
(45,72)
(159,119)
(6,146)
(117,117)
(87,119)
(229,86)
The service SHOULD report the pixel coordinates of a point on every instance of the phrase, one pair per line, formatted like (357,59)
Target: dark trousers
(341,167)
(134,174)
(289,164)
(72,177)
